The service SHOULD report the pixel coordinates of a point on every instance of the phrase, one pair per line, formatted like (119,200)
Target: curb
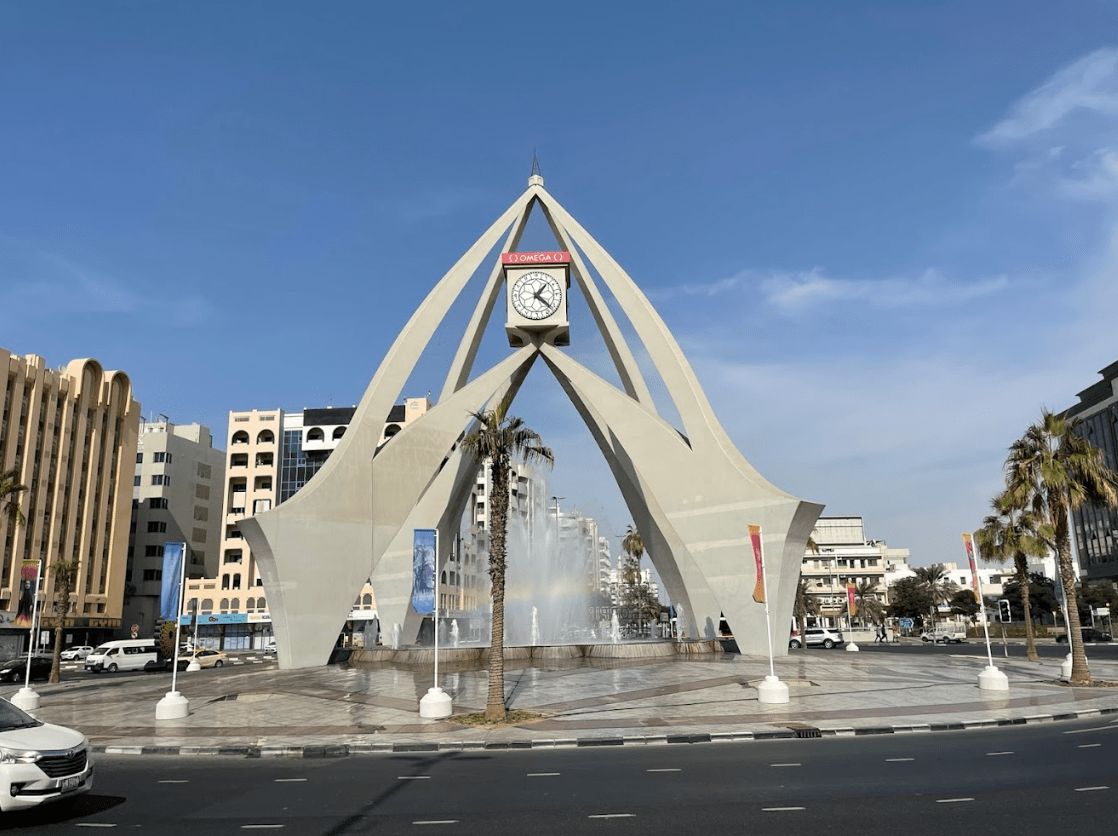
(344,750)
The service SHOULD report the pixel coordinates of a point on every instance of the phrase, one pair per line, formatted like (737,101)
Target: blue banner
(172,576)
(424,549)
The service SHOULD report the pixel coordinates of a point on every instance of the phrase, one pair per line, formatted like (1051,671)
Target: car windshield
(102,650)
(14,718)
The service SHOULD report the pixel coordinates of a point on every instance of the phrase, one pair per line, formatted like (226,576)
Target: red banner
(850,598)
(973,569)
(759,589)
(536,258)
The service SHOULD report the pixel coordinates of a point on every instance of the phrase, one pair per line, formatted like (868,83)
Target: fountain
(615,629)
(535,627)
(396,636)
(454,632)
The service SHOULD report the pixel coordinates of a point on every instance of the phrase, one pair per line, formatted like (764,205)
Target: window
(233,556)
(162,457)
(153,551)
(136,482)
(139,458)
(153,574)
(161,479)
(157,526)
(237,581)
(204,471)
(157,502)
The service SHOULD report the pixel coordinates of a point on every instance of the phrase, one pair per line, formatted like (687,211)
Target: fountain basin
(477,657)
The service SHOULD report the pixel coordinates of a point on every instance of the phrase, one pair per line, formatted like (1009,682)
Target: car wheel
(827,643)
(218,663)
(111,668)
(795,645)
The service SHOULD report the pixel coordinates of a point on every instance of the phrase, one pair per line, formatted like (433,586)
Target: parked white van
(125,655)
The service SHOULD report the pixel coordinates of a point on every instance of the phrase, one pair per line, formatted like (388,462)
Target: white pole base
(194,666)
(992,679)
(435,704)
(852,646)
(772,690)
(26,698)
(1065,668)
(174,706)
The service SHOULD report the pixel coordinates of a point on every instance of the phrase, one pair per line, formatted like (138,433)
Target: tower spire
(536,179)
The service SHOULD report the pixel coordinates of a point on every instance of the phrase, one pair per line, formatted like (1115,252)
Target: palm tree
(632,598)
(10,490)
(866,602)
(496,440)
(1013,532)
(1052,471)
(805,604)
(65,572)
(934,580)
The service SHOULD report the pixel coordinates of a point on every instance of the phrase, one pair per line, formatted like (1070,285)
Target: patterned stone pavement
(258,709)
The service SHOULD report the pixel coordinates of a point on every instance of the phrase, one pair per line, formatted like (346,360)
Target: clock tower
(536,286)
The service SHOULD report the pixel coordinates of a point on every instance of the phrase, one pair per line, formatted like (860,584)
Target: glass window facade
(296,465)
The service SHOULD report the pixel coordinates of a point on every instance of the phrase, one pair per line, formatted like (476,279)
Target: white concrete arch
(690,492)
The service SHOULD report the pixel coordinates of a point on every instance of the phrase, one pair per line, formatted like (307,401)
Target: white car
(40,762)
(71,654)
(943,635)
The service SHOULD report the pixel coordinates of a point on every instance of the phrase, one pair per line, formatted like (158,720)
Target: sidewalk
(259,710)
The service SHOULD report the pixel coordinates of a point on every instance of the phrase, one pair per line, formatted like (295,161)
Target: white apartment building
(847,556)
(176,498)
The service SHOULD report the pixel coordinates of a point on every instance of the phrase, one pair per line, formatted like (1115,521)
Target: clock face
(536,295)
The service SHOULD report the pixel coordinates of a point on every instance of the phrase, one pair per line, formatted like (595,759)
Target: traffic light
(1004,614)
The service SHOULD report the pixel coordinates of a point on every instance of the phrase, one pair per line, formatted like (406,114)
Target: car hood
(47,736)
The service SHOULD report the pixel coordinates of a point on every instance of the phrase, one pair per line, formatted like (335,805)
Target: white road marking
(1092,728)
(437,821)
(992,754)
(613,816)
(541,774)
(665,769)
(175,781)
(780,809)
(1090,789)
(1088,745)
(898,760)
(952,800)
(94,824)
(261,826)
(784,764)
(412,777)
(289,780)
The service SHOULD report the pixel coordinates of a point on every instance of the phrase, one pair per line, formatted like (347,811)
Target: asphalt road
(1017,780)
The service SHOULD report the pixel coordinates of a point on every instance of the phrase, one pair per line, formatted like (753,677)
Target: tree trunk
(495,711)
(64,608)
(1026,605)
(1080,671)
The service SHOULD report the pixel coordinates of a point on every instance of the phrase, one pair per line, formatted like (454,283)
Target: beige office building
(70,435)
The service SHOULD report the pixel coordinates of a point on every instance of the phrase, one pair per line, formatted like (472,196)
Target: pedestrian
(880,637)
(896,632)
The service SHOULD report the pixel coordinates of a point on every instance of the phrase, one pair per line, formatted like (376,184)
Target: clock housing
(536,286)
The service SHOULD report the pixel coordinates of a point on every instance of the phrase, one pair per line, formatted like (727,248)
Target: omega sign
(536,258)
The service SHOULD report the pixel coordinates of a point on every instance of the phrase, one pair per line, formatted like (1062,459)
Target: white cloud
(1090,85)
(794,291)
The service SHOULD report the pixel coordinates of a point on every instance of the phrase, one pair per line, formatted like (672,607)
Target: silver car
(817,637)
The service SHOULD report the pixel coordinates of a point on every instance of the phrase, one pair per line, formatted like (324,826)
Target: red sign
(535,258)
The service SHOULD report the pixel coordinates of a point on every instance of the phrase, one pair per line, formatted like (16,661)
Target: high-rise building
(176,498)
(1096,527)
(271,454)
(70,436)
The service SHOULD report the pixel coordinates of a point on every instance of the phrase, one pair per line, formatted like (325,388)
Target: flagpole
(771,690)
(174,705)
(26,697)
(991,679)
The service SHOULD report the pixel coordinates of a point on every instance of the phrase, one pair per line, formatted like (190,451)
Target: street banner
(973,568)
(28,576)
(424,549)
(755,539)
(850,599)
(172,577)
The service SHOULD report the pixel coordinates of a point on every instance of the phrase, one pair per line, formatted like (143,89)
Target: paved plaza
(253,708)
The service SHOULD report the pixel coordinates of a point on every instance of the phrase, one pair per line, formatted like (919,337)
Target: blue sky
(884,234)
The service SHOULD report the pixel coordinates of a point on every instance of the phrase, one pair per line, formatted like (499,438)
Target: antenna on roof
(536,179)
